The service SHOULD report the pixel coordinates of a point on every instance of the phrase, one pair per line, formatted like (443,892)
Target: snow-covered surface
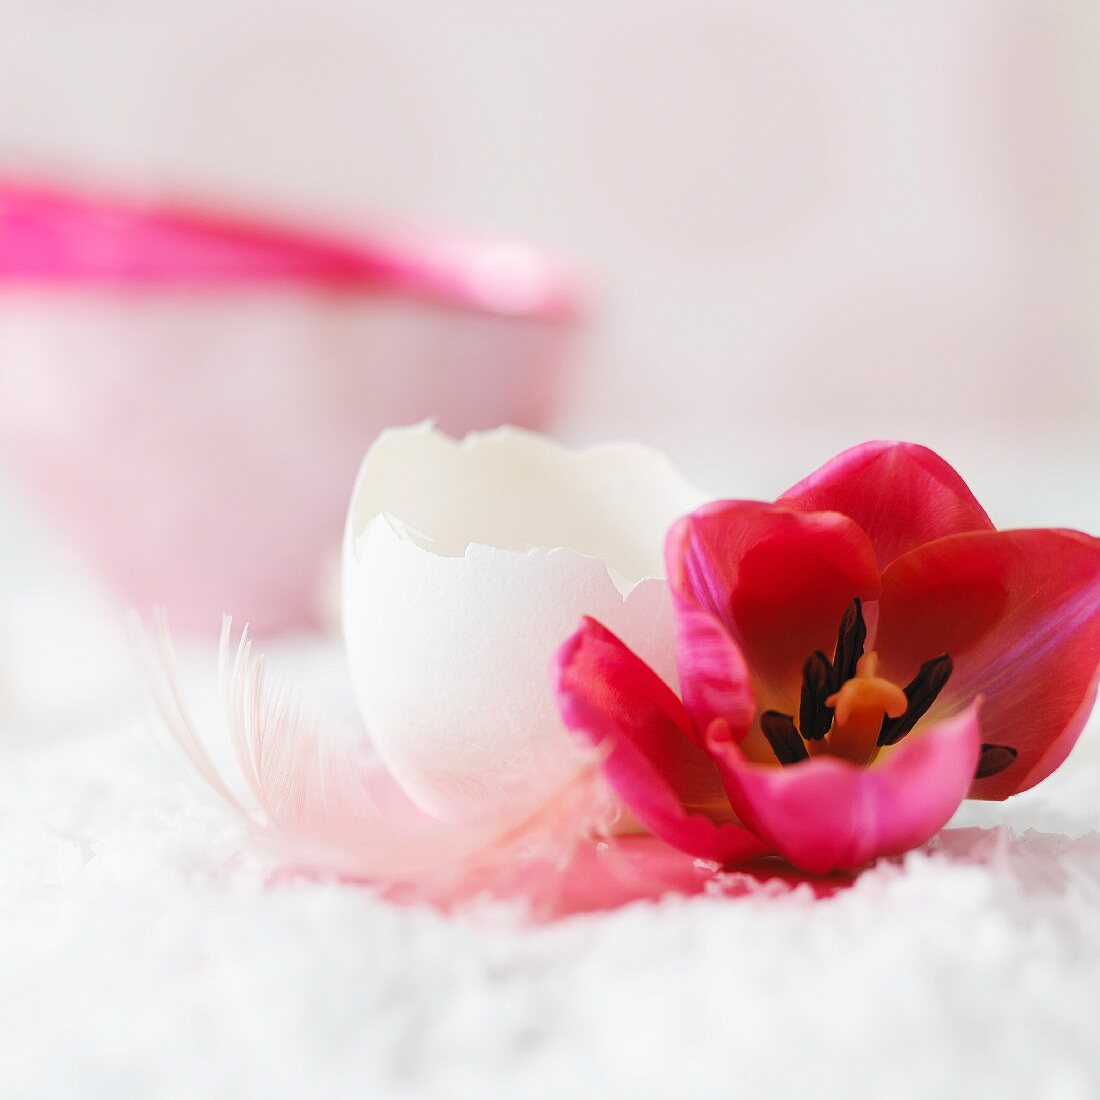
(145,951)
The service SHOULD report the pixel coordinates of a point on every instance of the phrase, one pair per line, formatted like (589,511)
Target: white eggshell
(466,565)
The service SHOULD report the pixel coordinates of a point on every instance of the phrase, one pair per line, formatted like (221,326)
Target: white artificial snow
(146,952)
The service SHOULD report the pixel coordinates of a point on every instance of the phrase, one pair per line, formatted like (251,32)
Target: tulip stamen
(850,639)
(784,738)
(920,693)
(994,759)
(814,715)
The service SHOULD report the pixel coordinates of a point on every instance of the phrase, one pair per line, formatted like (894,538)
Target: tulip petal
(714,678)
(776,580)
(827,814)
(1019,613)
(622,707)
(901,494)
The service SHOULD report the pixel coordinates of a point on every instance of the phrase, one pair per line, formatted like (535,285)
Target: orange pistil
(859,707)
(847,710)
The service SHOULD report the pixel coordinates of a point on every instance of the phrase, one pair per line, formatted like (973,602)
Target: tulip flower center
(859,708)
(846,708)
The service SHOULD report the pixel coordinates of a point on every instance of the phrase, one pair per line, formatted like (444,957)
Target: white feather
(330,806)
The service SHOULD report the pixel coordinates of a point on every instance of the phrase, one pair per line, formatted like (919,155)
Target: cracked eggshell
(466,565)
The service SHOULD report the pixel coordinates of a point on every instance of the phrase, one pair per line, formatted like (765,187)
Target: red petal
(826,814)
(777,581)
(714,678)
(618,703)
(1019,613)
(901,494)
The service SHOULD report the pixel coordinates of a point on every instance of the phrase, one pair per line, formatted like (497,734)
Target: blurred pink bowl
(191,394)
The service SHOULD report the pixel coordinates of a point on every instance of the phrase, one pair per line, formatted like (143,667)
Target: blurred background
(750,233)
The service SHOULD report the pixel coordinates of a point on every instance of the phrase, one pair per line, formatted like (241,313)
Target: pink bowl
(191,394)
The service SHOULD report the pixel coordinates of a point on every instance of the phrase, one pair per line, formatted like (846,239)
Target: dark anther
(814,717)
(921,693)
(779,729)
(994,759)
(849,643)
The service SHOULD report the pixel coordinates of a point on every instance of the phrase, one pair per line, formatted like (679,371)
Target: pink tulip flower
(854,660)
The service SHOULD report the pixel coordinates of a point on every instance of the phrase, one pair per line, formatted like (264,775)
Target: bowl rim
(67,235)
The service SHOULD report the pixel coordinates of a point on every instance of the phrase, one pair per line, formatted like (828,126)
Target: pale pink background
(811,222)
